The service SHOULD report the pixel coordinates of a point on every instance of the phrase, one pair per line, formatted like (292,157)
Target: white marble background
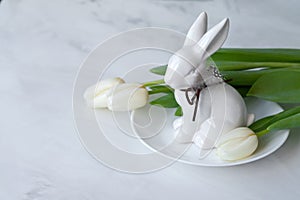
(42,44)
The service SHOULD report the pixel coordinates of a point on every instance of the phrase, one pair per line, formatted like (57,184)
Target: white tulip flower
(96,95)
(127,96)
(237,144)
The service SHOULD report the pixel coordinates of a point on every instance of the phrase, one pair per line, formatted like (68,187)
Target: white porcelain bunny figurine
(219,108)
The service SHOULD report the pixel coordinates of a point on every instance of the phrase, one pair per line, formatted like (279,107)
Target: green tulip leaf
(167,101)
(287,123)
(178,111)
(257,55)
(161,70)
(282,87)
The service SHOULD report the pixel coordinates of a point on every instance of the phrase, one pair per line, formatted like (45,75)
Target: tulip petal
(96,95)
(237,144)
(238,148)
(126,97)
(235,133)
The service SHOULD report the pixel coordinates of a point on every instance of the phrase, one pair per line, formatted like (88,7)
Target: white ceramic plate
(267,144)
(158,133)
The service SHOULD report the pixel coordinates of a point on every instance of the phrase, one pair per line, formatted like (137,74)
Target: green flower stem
(247,78)
(262,133)
(154,89)
(238,78)
(157,82)
(235,66)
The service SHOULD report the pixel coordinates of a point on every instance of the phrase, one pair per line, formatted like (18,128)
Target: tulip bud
(237,144)
(96,95)
(127,96)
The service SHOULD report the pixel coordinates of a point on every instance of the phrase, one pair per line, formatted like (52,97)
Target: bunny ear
(214,38)
(197,30)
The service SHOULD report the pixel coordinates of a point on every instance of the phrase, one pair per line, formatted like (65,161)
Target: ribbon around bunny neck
(194,100)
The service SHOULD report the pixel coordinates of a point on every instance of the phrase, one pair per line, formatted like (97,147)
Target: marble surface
(42,44)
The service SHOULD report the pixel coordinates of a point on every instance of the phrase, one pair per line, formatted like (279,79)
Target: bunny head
(186,67)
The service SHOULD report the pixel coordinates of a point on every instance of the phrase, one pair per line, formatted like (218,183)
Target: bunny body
(220,106)
(220,109)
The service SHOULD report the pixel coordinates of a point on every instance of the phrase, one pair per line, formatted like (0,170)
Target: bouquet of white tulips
(270,74)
